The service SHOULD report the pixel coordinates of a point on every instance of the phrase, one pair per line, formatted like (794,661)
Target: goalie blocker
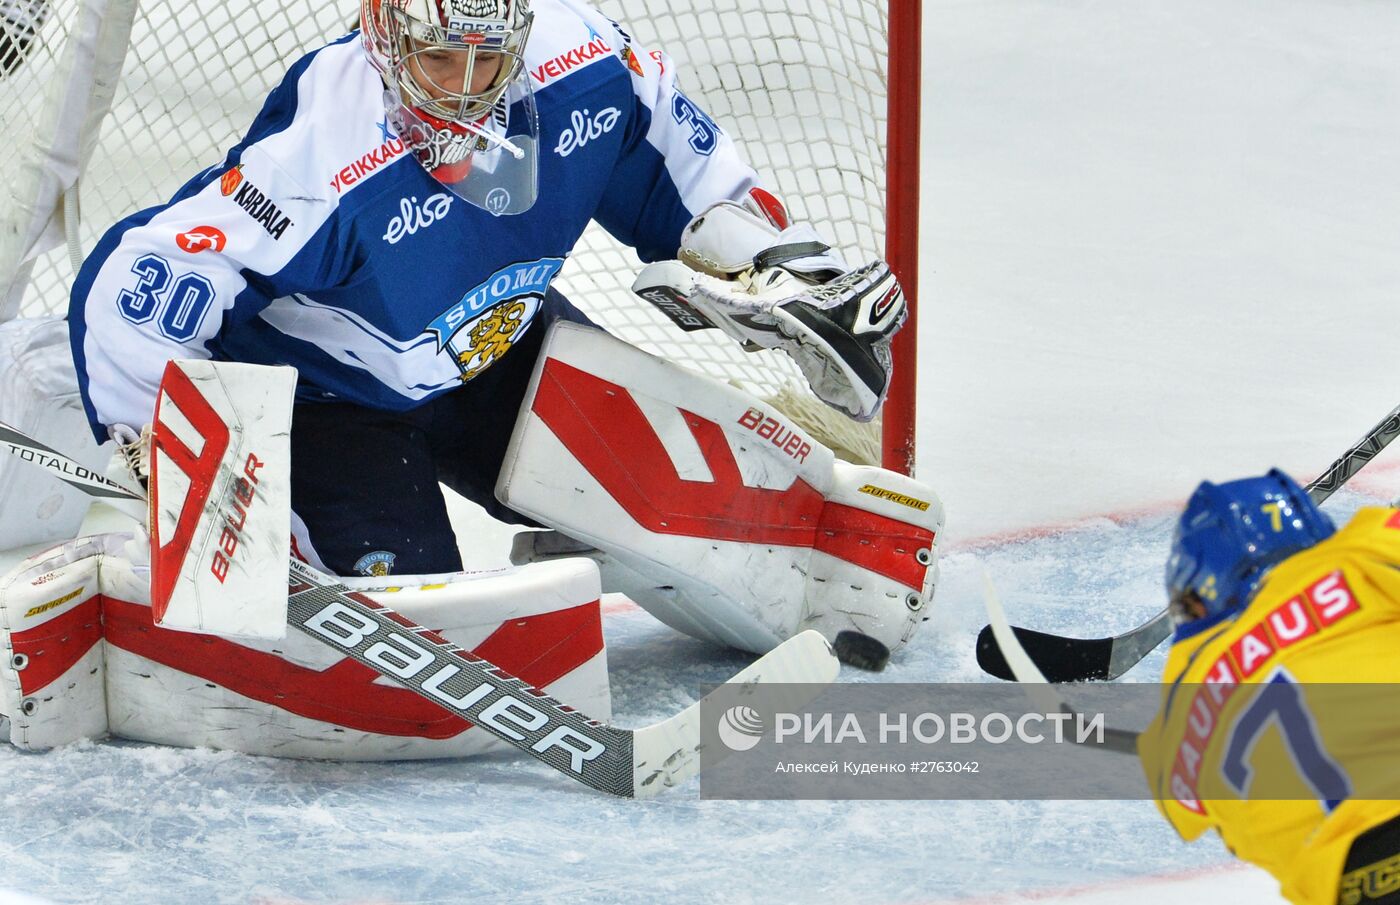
(710,509)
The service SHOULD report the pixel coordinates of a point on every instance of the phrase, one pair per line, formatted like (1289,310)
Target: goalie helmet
(448,68)
(1228,538)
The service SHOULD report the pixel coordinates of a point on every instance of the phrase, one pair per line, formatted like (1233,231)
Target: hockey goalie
(362,290)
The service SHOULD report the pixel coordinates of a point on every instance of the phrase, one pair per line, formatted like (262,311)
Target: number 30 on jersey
(180,304)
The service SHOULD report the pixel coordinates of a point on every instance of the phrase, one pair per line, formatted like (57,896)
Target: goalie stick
(631,763)
(1064,659)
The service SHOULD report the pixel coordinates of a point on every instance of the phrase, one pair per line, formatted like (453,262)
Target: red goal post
(118,102)
(902,224)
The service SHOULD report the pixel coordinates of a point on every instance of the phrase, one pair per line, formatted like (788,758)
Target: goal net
(116,103)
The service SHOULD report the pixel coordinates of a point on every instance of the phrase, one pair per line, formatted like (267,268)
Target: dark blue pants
(365,481)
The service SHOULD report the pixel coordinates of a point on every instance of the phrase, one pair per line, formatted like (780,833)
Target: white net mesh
(802,92)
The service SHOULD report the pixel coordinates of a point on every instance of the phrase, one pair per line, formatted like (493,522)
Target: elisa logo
(229,182)
(584,128)
(413,216)
(740,728)
(201,238)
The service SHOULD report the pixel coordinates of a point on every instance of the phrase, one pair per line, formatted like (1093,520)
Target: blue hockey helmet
(1230,535)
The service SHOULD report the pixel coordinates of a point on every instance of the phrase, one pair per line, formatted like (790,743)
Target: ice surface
(1228,883)
(120,822)
(1160,244)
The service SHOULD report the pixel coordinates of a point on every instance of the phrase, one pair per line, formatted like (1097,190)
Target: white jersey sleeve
(675,161)
(163,283)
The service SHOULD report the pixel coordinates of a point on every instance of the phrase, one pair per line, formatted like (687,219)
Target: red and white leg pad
(83,658)
(714,511)
(52,660)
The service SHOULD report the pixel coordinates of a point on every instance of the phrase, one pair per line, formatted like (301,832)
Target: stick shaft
(27,449)
(1354,459)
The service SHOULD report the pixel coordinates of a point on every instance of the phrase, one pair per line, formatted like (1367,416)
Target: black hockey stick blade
(1063,659)
(1060,659)
(630,763)
(1035,683)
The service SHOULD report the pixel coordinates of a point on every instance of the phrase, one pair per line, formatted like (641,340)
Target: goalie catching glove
(769,285)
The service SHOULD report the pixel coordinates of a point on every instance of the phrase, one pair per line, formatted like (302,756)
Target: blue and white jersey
(320,243)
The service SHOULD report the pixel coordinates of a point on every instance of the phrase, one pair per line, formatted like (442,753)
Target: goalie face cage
(823,102)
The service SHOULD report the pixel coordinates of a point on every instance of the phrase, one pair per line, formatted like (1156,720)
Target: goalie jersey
(320,242)
(1269,732)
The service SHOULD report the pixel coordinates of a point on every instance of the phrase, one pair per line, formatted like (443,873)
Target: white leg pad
(300,698)
(93,662)
(53,671)
(875,566)
(712,510)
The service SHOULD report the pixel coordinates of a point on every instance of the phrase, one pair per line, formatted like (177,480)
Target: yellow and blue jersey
(1240,745)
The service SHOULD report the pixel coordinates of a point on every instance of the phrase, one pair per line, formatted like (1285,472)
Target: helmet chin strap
(437,125)
(499,141)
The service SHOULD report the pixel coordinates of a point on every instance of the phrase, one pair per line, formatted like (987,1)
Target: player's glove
(774,286)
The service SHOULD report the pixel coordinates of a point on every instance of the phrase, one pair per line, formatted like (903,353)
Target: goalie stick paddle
(1064,659)
(632,763)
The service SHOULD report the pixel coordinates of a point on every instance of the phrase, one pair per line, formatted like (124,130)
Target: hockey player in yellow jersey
(1267,733)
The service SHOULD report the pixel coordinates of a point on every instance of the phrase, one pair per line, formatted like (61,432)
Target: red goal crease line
(1378,480)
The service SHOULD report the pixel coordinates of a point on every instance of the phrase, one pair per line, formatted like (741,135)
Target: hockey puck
(861,651)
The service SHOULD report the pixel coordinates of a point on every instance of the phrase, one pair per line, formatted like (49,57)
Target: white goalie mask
(456,95)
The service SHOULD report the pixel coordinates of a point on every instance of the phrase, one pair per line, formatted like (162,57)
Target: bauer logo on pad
(220,498)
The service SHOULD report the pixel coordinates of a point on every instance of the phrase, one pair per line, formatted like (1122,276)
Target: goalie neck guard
(456,94)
